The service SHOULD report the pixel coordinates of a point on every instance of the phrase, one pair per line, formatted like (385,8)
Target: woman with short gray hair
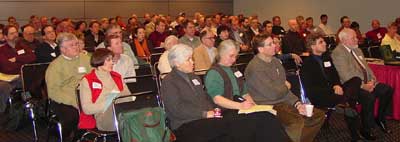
(187,106)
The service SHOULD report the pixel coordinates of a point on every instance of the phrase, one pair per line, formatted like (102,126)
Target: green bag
(144,125)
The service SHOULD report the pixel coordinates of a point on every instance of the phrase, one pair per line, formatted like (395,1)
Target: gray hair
(344,34)
(169,39)
(112,26)
(63,37)
(225,46)
(178,54)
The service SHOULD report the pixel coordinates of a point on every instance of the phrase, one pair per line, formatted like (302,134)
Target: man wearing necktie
(358,79)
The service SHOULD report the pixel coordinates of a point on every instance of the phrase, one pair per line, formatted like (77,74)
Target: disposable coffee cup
(309,110)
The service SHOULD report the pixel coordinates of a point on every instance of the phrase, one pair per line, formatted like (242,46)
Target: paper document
(8,77)
(258,108)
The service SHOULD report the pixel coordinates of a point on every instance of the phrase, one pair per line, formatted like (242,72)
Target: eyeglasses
(269,44)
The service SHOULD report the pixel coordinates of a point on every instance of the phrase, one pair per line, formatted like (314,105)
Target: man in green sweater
(62,78)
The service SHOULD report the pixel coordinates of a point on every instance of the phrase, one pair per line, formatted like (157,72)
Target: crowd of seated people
(108,50)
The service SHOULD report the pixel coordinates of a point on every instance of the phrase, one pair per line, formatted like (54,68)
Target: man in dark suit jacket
(322,84)
(93,37)
(358,78)
(48,50)
(293,43)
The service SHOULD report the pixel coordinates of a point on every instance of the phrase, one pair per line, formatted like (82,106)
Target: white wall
(96,9)
(362,11)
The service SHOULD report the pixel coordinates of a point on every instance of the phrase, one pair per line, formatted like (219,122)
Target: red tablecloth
(389,75)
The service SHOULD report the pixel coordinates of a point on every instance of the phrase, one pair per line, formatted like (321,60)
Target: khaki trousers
(299,128)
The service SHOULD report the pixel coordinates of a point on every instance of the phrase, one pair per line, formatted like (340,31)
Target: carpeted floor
(335,132)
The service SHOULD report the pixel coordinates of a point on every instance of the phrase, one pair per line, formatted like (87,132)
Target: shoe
(368,135)
(382,125)
(356,138)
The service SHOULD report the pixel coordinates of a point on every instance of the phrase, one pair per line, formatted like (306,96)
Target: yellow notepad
(8,77)
(258,108)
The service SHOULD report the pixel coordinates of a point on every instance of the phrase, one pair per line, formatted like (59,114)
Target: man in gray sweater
(267,85)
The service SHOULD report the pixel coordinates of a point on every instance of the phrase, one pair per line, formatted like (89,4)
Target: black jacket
(90,43)
(318,78)
(184,100)
(45,53)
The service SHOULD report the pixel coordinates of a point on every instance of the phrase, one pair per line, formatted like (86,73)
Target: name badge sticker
(81,70)
(379,35)
(53,54)
(22,51)
(327,64)
(195,82)
(238,74)
(96,85)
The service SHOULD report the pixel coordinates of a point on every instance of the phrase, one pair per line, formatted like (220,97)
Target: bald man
(293,43)
(377,33)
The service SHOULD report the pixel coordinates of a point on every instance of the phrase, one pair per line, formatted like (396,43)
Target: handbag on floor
(144,125)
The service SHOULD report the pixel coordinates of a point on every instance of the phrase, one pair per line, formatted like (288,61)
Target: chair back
(139,100)
(143,69)
(386,53)
(154,58)
(33,79)
(244,57)
(157,50)
(147,82)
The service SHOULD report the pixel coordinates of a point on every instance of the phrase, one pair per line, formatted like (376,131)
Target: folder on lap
(8,77)
(258,108)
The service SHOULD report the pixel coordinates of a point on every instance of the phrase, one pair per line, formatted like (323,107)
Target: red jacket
(88,121)
(23,55)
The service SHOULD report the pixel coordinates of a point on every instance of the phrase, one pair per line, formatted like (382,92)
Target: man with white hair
(358,78)
(62,78)
(163,64)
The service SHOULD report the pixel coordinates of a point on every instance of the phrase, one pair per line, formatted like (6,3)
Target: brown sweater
(266,82)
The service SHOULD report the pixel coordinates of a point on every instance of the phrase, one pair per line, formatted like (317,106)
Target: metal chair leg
(29,106)
(60,131)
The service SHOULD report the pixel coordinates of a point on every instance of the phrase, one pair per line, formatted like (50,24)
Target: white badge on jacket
(96,85)
(81,70)
(22,51)
(53,54)
(195,82)
(238,74)
(327,64)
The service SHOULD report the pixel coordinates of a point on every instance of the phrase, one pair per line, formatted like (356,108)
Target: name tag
(327,64)
(195,82)
(238,74)
(53,54)
(282,31)
(379,35)
(22,51)
(96,85)
(81,70)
